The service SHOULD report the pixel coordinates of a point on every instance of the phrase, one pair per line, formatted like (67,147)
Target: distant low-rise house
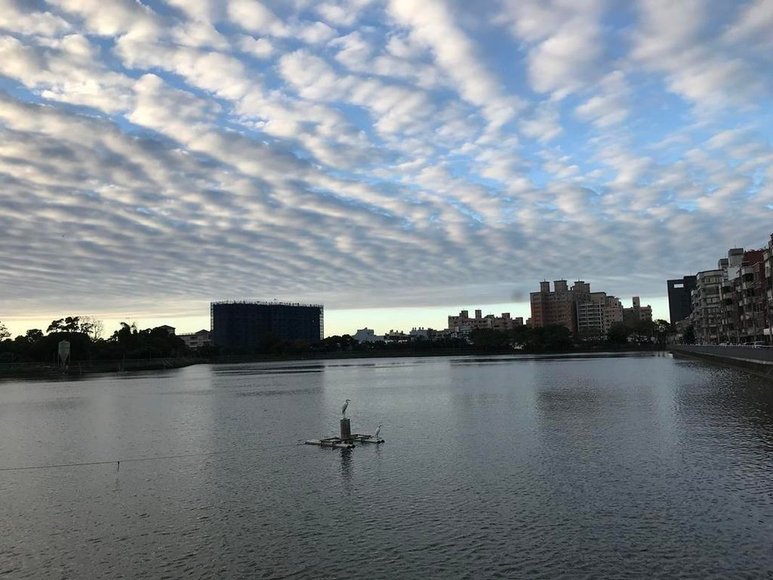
(421,333)
(169,329)
(396,337)
(196,340)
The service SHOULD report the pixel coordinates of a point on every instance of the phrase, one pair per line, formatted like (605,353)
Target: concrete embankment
(755,360)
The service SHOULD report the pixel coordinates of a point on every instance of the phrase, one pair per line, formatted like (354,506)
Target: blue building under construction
(256,326)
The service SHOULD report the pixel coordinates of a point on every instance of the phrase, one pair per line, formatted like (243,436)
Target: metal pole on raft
(346,430)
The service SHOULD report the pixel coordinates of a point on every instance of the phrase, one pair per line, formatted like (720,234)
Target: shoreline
(83,368)
(756,361)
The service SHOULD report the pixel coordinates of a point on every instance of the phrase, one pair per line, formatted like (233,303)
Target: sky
(394,160)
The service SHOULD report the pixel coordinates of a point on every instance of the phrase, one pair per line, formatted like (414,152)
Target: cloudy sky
(373,154)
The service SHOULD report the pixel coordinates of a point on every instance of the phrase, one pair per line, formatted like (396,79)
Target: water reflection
(280,392)
(251,369)
(346,470)
(637,466)
(718,400)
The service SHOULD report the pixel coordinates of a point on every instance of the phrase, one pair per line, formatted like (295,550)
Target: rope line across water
(138,459)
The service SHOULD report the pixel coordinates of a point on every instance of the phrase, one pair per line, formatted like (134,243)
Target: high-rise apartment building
(586,314)
(592,315)
(679,298)
(734,302)
(729,324)
(706,316)
(555,307)
(767,258)
(613,311)
(750,289)
(252,326)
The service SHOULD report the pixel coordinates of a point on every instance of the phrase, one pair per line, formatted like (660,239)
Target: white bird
(378,430)
(343,409)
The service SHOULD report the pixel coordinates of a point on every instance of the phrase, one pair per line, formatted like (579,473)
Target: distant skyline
(337,322)
(383,158)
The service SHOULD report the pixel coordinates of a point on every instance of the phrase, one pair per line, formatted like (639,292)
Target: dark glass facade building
(679,302)
(253,326)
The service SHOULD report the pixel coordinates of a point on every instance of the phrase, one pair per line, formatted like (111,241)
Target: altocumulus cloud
(370,153)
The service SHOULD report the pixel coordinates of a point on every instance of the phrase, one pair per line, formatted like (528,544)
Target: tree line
(84,333)
(547,339)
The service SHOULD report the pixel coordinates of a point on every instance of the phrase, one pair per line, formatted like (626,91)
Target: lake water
(625,467)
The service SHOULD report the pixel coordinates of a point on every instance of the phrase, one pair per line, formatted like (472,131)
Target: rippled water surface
(637,466)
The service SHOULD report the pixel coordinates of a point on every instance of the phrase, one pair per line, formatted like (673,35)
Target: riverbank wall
(758,361)
(79,368)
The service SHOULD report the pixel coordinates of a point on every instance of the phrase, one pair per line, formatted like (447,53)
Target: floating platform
(347,439)
(331,442)
(366,438)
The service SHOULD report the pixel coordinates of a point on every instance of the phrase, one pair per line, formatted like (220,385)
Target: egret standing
(343,409)
(378,431)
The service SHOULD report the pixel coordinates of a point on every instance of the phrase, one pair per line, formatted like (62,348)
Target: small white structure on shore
(367,335)
(63,351)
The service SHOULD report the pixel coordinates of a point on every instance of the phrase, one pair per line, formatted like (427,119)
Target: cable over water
(138,459)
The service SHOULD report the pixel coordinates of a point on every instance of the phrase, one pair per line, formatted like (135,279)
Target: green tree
(28,346)
(4,331)
(130,342)
(489,339)
(335,343)
(618,333)
(93,327)
(519,336)
(159,342)
(34,335)
(551,338)
(645,328)
(72,324)
(663,329)
(30,337)
(126,337)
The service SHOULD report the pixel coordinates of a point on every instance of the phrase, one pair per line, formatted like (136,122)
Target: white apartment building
(706,314)
(194,340)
